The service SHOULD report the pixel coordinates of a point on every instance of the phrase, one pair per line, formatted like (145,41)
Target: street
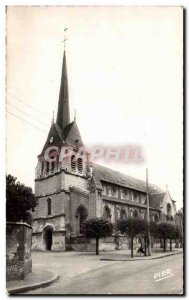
(85,273)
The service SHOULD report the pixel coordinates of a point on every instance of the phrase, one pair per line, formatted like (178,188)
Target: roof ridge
(123,174)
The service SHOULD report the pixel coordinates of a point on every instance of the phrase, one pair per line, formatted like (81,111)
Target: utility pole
(148,214)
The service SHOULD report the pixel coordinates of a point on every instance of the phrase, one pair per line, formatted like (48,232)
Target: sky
(125,82)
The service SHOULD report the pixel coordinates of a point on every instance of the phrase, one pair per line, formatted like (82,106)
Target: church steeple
(63,113)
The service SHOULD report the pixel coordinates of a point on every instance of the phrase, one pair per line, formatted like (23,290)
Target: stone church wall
(57,203)
(58,232)
(48,185)
(76,199)
(75,181)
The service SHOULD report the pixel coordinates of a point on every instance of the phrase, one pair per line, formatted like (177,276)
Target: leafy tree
(132,228)
(153,229)
(179,221)
(97,228)
(165,231)
(175,234)
(19,201)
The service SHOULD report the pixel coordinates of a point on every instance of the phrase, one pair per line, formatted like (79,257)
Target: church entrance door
(48,238)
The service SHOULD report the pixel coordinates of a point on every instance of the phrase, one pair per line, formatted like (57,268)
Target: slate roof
(69,135)
(102,173)
(67,129)
(156,199)
(72,135)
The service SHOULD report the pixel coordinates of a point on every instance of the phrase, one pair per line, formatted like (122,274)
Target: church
(72,190)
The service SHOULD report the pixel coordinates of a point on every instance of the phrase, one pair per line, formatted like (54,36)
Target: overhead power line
(26,122)
(22,111)
(30,106)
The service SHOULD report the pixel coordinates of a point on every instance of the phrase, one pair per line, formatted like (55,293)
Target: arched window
(49,206)
(73,163)
(103,189)
(52,166)
(131,196)
(53,156)
(113,191)
(81,215)
(135,214)
(143,198)
(123,194)
(80,165)
(107,213)
(47,167)
(136,196)
(123,214)
(169,208)
(108,190)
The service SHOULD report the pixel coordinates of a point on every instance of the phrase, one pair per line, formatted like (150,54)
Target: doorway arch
(47,237)
(81,216)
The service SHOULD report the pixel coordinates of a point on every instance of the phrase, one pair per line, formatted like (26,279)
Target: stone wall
(18,250)
(105,244)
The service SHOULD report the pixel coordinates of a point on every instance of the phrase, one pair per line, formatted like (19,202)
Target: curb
(33,286)
(138,259)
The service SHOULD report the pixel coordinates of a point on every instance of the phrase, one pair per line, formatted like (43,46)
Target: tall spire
(63,113)
(52,118)
(74,115)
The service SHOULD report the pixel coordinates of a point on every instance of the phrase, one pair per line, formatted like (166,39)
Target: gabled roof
(102,173)
(57,137)
(72,135)
(69,135)
(156,199)
(67,129)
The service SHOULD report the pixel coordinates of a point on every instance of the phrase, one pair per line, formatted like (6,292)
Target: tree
(19,201)
(132,228)
(175,234)
(165,231)
(97,228)
(179,222)
(153,229)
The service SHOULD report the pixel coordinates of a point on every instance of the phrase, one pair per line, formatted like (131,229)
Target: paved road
(82,273)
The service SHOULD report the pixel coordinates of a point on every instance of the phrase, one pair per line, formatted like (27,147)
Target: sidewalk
(125,255)
(38,278)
